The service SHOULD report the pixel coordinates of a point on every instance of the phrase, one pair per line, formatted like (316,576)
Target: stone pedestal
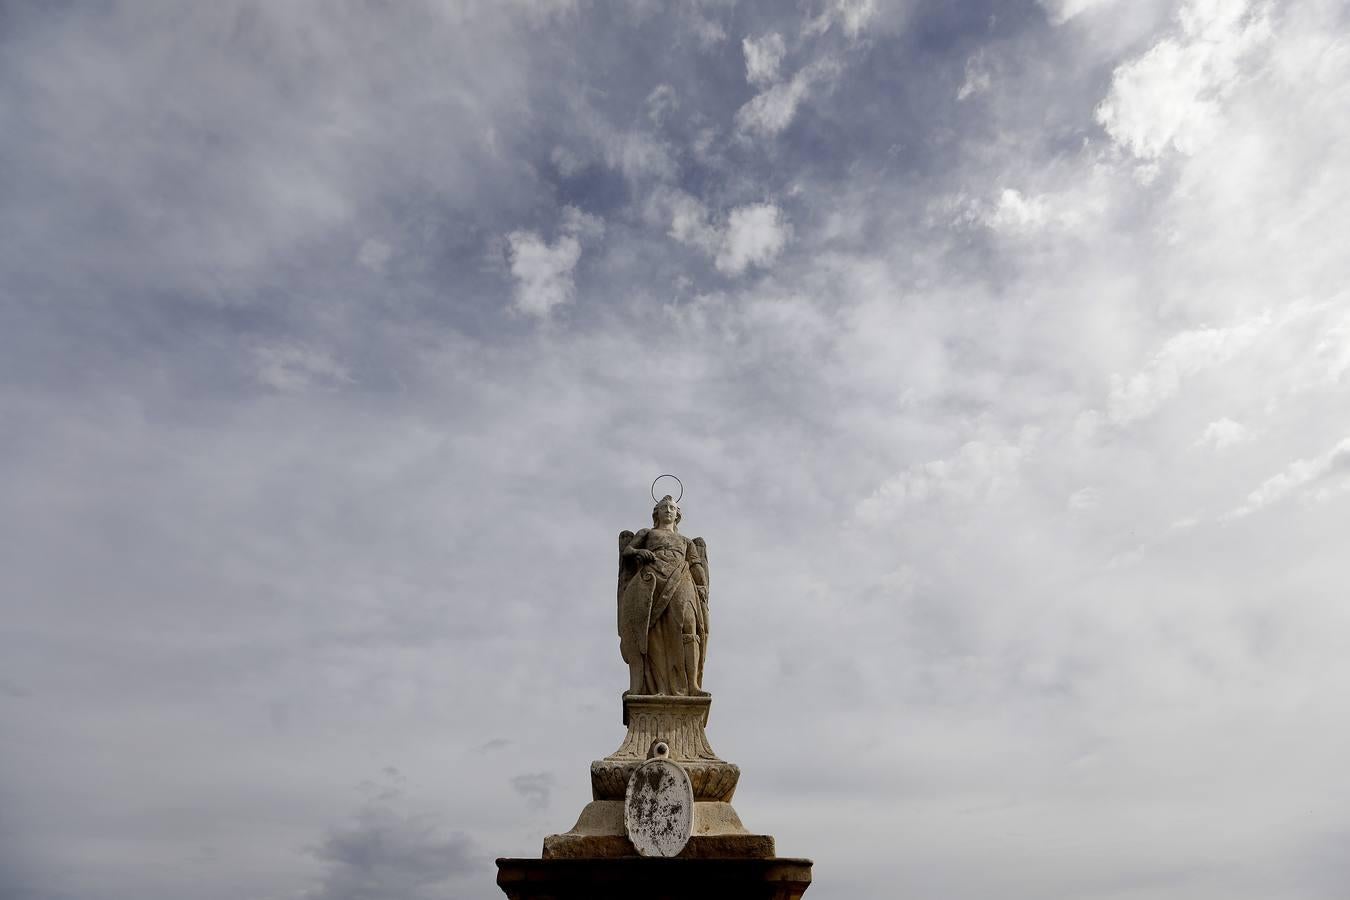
(654,879)
(679,722)
(595,860)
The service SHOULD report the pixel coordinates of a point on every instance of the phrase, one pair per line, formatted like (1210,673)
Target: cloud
(543,271)
(1018,213)
(581,225)
(1299,475)
(982,470)
(384,853)
(1330,357)
(661,102)
(568,163)
(755,235)
(288,367)
(1183,355)
(535,787)
(763,57)
(978,77)
(708,32)
(1224,433)
(636,154)
(1085,499)
(272,514)
(771,111)
(1061,11)
(1172,96)
(374,254)
(689,221)
(218,217)
(852,16)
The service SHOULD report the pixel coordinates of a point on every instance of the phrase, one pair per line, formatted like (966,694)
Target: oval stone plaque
(658,808)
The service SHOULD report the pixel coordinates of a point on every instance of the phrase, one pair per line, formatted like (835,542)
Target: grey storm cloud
(1003,349)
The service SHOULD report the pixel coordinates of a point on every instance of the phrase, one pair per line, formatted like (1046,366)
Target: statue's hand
(646,556)
(702,593)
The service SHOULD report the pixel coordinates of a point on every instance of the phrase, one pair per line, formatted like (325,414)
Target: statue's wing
(634,615)
(702,577)
(705,581)
(626,570)
(703,555)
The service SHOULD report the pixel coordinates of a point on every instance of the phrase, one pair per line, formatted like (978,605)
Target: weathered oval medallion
(658,808)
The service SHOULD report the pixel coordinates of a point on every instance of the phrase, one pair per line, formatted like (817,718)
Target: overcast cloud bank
(1004,350)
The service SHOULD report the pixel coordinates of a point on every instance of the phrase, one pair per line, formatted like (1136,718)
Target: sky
(1002,348)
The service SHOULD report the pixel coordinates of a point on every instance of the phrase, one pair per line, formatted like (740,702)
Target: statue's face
(667,512)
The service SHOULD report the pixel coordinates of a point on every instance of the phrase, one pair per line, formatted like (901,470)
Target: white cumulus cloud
(1172,95)
(1017,212)
(763,57)
(755,235)
(543,271)
(689,221)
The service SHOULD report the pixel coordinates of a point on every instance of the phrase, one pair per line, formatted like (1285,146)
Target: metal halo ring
(677,481)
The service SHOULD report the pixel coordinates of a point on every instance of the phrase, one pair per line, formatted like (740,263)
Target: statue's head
(666,509)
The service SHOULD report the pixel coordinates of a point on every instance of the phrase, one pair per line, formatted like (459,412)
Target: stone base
(654,879)
(717,831)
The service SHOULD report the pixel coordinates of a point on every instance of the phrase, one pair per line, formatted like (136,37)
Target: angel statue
(663,606)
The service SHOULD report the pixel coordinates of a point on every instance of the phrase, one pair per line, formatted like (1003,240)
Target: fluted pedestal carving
(680,722)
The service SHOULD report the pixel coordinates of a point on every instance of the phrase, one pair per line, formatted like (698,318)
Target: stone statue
(663,606)
(664,792)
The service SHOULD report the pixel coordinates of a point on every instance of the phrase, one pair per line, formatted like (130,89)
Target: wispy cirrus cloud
(1320,476)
